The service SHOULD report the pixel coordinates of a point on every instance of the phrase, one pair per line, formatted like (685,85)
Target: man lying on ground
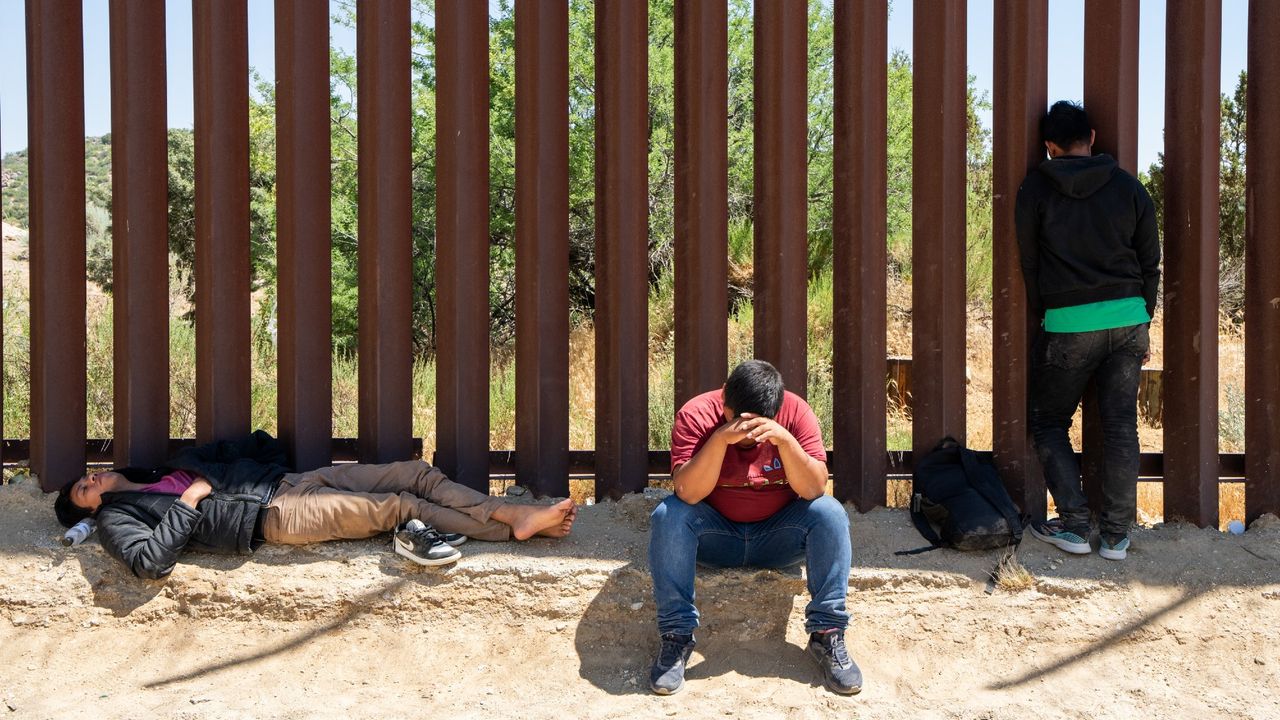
(750,475)
(233,496)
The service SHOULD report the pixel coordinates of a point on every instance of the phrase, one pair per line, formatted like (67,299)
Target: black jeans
(1062,365)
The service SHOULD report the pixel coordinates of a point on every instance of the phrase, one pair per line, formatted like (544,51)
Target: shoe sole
(663,691)
(1063,545)
(430,562)
(817,657)
(1113,554)
(455,543)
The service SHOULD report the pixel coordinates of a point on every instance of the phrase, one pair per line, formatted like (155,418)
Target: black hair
(68,512)
(755,386)
(1065,124)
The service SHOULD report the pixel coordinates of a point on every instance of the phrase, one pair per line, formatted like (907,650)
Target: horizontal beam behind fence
(100,451)
(899,463)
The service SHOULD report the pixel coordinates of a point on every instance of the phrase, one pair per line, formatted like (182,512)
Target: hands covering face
(753,428)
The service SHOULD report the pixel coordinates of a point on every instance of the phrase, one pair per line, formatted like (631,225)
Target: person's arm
(806,474)
(1146,242)
(697,478)
(151,553)
(1027,225)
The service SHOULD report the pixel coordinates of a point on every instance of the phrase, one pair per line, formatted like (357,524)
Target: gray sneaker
(1072,540)
(666,676)
(1114,547)
(422,544)
(839,672)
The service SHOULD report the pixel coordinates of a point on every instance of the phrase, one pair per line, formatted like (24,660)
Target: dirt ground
(1186,627)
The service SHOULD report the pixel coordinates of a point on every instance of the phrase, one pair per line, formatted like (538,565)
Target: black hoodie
(1086,233)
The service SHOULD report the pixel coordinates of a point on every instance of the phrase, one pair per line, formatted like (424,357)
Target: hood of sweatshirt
(1079,177)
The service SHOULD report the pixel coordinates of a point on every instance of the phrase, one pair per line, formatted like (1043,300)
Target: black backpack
(962,496)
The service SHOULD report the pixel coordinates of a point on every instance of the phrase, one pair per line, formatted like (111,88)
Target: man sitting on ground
(750,475)
(233,496)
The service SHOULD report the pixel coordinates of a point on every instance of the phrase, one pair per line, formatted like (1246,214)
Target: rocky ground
(1186,627)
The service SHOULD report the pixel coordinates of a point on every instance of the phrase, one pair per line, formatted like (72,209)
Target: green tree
(98,245)
(182,216)
(1231,198)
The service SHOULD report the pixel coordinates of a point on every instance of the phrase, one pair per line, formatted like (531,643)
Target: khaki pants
(349,502)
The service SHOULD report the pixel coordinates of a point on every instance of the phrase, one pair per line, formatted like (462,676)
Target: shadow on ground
(744,615)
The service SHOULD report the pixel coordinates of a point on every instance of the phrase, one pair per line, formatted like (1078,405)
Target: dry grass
(1010,575)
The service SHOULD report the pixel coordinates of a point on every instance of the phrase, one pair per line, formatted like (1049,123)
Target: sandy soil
(1186,627)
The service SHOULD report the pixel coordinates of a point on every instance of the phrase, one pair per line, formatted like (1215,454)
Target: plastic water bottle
(79,532)
(1235,527)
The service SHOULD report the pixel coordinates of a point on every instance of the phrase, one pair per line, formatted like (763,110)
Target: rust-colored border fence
(1191,466)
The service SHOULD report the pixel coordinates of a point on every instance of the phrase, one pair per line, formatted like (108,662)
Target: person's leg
(425,493)
(816,531)
(305,510)
(680,536)
(1061,368)
(357,501)
(1117,379)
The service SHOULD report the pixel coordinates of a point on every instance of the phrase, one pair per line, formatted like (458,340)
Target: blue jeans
(1062,366)
(683,535)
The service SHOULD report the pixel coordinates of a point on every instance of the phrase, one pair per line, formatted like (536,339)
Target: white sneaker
(422,544)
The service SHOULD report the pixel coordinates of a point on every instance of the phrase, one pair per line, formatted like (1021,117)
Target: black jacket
(1086,233)
(147,531)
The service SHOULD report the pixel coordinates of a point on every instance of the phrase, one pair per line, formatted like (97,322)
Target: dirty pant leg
(680,536)
(1117,379)
(816,531)
(356,500)
(1062,365)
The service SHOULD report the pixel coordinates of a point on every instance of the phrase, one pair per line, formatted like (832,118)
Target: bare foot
(564,527)
(546,520)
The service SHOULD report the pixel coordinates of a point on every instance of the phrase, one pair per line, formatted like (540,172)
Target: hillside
(97,169)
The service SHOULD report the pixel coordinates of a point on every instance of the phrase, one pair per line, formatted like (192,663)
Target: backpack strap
(972,473)
(922,524)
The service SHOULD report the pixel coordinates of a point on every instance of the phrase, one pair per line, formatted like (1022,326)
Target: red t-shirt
(752,484)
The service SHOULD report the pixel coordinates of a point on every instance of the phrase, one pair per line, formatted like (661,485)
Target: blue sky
(1066,50)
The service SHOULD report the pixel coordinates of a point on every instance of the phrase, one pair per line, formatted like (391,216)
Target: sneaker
(1054,533)
(666,677)
(1114,547)
(839,672)
(453,539)
(422,544)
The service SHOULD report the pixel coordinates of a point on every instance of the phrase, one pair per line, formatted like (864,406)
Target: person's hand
(762,429)
(1146,358)
(734,431)
(198,491)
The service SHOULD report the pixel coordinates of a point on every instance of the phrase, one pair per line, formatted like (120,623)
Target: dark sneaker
(1054,533)
(422,544)
(453,539)
(1114,547)
(839,672)
(666,677)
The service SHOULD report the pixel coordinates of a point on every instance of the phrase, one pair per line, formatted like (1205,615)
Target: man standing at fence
(1091,261)
(750,475)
